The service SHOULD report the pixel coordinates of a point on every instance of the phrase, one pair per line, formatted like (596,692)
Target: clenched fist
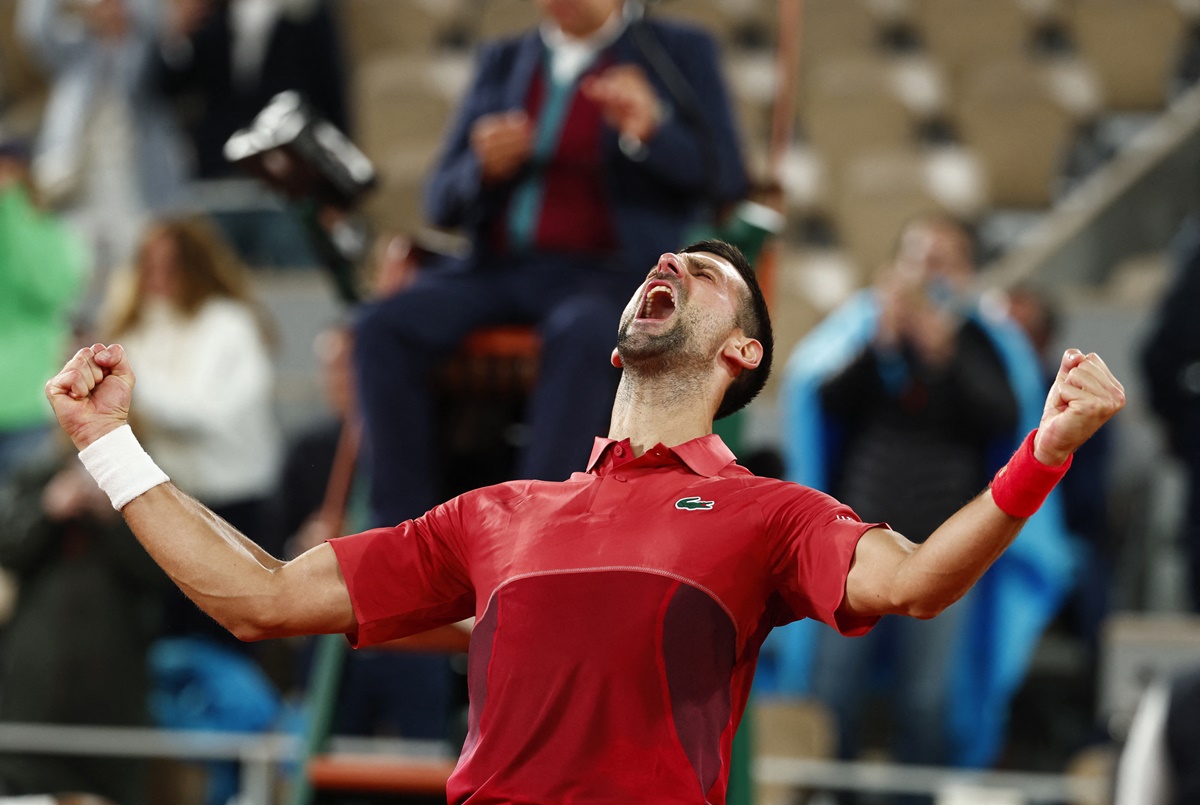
(91,394)
(1084,396)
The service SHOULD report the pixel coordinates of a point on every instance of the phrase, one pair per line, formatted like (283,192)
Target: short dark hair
(752,316)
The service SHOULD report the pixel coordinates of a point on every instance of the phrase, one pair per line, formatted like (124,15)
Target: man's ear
(615,360)
(743,352)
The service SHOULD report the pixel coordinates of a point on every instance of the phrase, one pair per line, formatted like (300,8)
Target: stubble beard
(676,355)
(673,361)
(651,353)
(658,363)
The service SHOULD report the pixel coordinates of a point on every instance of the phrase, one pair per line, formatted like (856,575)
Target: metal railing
(259,756)
(890,778)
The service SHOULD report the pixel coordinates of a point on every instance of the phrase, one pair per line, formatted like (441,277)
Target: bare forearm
(239,584)
(892,576)
(939,571)
(220,569)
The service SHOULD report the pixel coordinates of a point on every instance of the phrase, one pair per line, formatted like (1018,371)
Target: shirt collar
(705,456)
(569,56)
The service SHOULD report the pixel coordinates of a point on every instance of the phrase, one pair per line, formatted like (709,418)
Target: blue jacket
(654,200)
(1013,602)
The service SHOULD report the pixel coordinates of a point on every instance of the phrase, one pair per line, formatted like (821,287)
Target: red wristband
(1023,484)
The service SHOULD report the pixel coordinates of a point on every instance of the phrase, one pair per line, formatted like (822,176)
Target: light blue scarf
(1014,601)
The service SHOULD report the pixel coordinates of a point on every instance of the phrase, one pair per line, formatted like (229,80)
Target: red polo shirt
(619,615)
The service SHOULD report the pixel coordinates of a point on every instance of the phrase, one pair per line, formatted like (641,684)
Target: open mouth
(659,302)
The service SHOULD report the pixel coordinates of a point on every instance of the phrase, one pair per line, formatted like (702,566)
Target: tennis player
(619,613)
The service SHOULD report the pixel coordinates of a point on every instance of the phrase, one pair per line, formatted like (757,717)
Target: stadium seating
(400,114)
(1134,44)
(961,34)
(1010,115)
(876,193)
(382,27)
(853,105)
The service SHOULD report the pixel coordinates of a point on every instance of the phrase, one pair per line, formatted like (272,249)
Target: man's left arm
(890,575)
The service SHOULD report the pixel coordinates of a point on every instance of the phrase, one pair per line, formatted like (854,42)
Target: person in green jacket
(42,268)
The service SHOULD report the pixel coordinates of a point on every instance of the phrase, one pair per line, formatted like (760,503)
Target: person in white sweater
(206,382)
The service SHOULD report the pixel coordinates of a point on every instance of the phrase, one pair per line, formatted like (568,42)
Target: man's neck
(659,410)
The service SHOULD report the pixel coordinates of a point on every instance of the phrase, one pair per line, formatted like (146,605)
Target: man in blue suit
(584,149)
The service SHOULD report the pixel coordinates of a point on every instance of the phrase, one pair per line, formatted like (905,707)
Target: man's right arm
(241,586)
(455,186)
(224,572)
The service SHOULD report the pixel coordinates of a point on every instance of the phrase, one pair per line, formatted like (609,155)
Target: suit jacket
(655,199)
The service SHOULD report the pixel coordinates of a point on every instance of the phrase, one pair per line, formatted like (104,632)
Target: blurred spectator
(187,316)
(1085,489)
(298,506)
(222,61)
(1160,761)
(572,164)
(299,501)
(86,611)
(912,378)
(42,269)
(922,400)
(108,151)
(1170,361)
(385,692)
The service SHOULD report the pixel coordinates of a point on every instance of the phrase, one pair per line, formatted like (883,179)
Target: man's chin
(637,345)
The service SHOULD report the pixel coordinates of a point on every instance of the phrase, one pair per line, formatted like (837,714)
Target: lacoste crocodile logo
(693,504)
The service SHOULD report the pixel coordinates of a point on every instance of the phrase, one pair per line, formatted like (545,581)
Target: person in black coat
(1170,361)
(222,61)
(86,612)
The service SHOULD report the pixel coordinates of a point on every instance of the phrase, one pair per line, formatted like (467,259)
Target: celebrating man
(619,613)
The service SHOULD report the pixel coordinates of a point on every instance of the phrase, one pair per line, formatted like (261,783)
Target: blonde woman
(206,380)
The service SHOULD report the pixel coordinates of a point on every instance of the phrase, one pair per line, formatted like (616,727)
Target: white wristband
(121,467)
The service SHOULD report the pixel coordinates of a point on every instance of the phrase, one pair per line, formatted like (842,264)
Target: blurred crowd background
(1048,152)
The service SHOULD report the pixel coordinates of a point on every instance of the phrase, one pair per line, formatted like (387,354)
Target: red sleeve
(407,579)
(813,538)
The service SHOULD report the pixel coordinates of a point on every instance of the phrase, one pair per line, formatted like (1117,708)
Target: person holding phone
(923,385)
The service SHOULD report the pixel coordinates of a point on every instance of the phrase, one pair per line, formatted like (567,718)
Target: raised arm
(224,572)
(891,575)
